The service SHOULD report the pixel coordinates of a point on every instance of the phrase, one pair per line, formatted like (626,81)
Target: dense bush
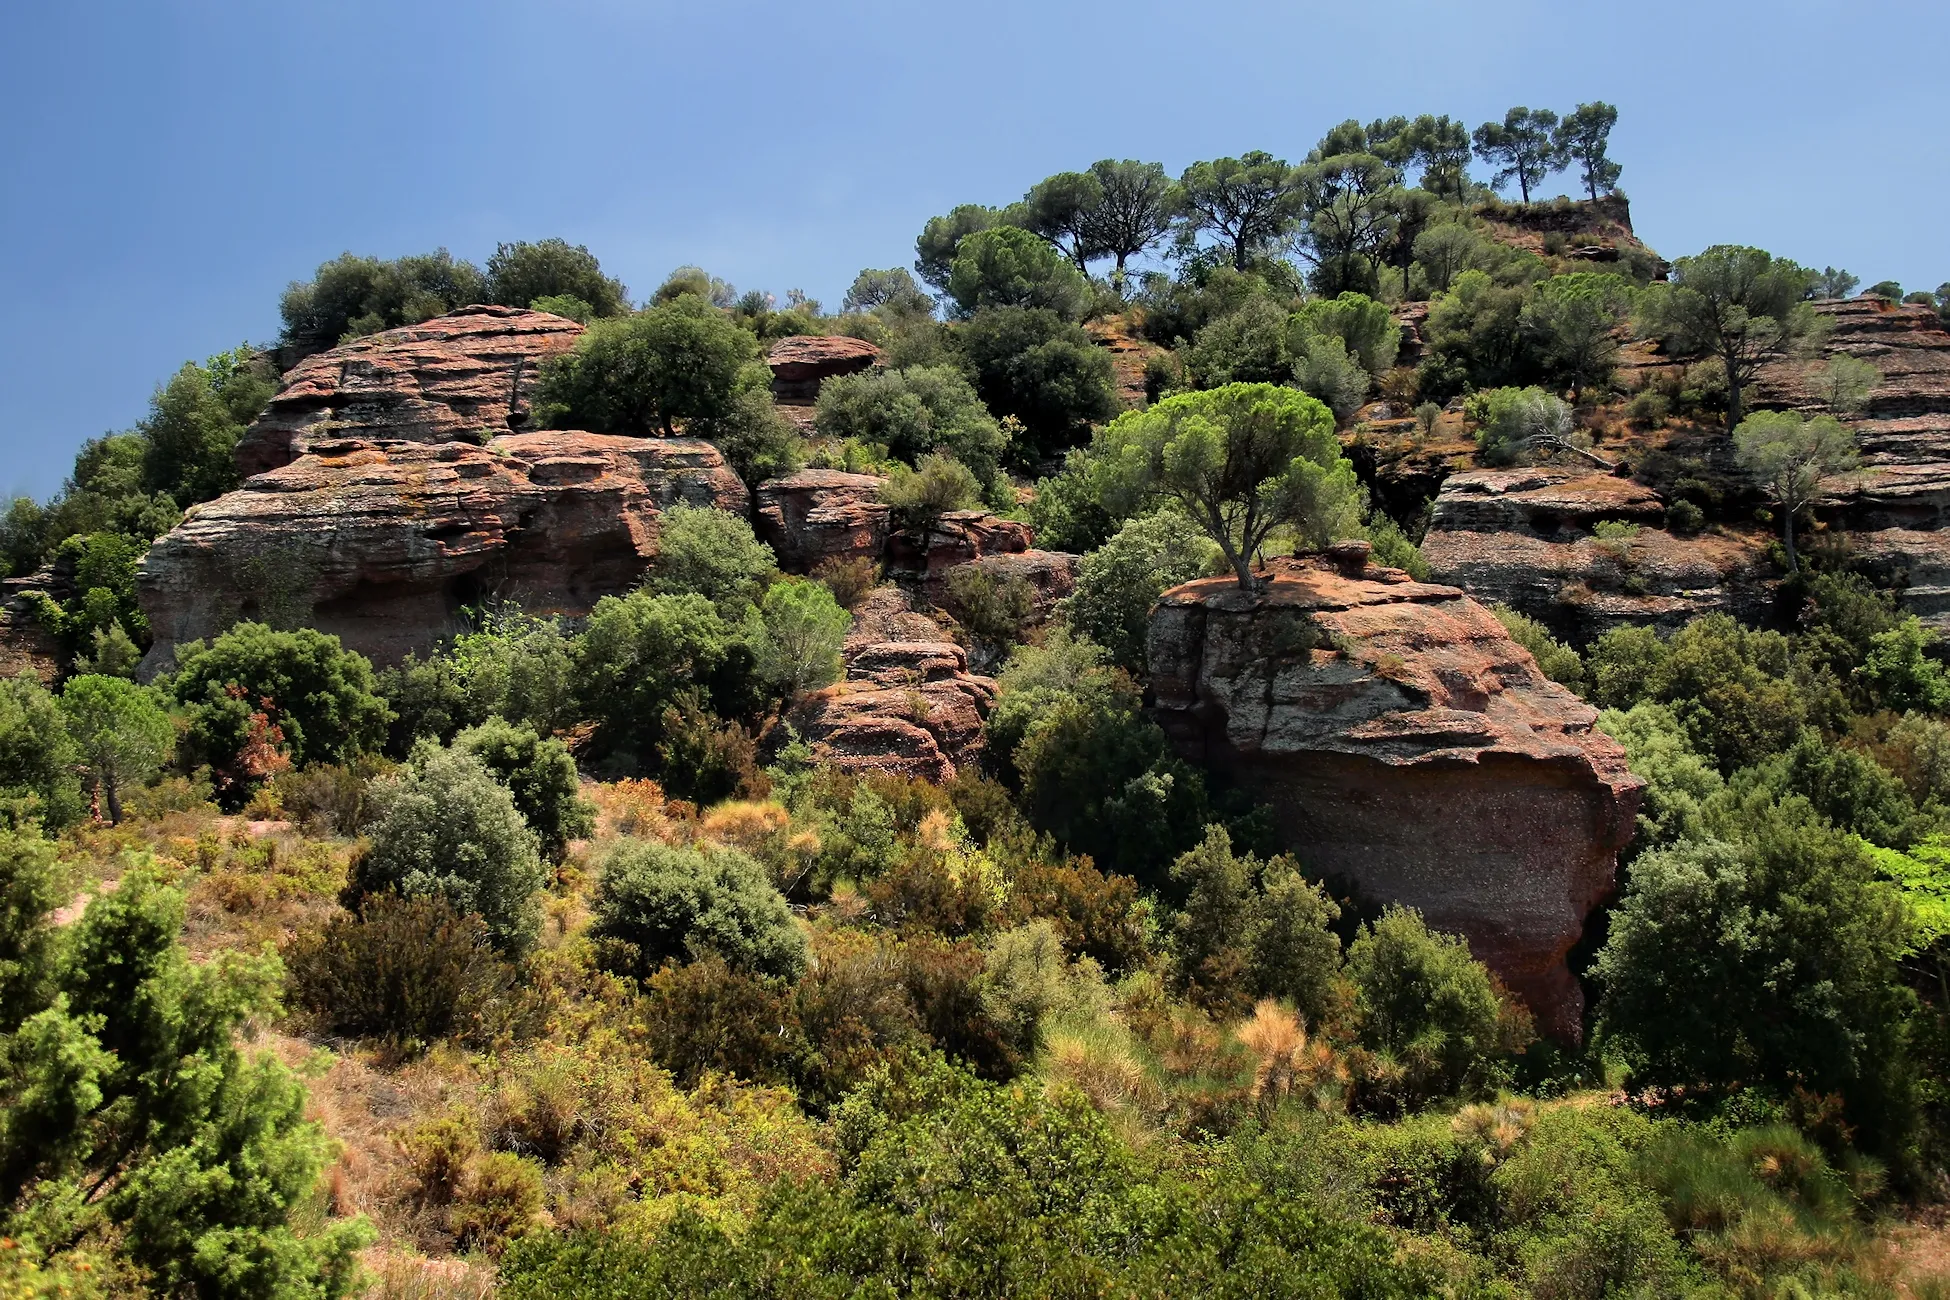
(714,554)
(351,296)
(1252,929)
(658,902)
(132,1120)
(541,775)
(255,689)
(1031,363)
(37,759)
(938,485)
(1118,583)
(641,655)
(526,275)
(408,971)
(447,829)
(514,666)
(1430,1009)
(1766,960)
(912,412)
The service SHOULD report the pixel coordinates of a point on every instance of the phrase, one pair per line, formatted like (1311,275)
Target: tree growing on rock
(1522,147)
(521,273)
(1581,138)
(1743,305)
(1241,461)
(1789,455)
(641,374)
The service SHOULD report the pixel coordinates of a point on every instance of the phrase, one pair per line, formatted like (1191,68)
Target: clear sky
(167,166)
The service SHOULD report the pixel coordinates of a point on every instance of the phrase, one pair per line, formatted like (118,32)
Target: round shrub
(37,759)
(447,828)
(911,412)
(660,902)
(540,774)
(321,697)
(1118,583)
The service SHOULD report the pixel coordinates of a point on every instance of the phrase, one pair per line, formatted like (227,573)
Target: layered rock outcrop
(1524,538)
(468,375)
(1898,506)
(26,643)
(822,514)
(1410,752)
(908,705)
(385,543)
(801,363)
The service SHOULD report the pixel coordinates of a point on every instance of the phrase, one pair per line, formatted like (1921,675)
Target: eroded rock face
(26,644)
(1426,762)
(802,363)
(957,537)
(908,705)
(383,544)
(822,514)
(468,375)
(1523,538)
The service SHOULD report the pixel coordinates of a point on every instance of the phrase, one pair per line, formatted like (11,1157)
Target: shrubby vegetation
(616,987)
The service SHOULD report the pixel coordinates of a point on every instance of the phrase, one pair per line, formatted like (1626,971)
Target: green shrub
(1245,346)
(540,774)
(1767,963)
(1685,518)
(1118,583)
(448,829)
(1008,267)
(351,296)
(920,496)
(804,631)
(1250,930)
(37,759)
(409,971)
(1430,1009)
(642,655)
(1679,782)
(120,733)
(993,609)
(320,697)
(513,665)
(542,274)
(1555,660)
(1035,365)
(713,554)
(330,798)
(641,374)
(912,412)
(701,757)
(848,580)
(658,902)
(497,1203)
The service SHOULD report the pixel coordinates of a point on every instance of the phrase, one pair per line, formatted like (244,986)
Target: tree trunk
(1734,386)
(1787,531)
(114,799)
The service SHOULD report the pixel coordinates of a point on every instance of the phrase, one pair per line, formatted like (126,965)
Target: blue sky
(166,167)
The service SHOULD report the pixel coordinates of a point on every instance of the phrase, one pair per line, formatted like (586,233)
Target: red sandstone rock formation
(1409,750)
(383,544)
(957,537)
(802,363)
(1523,538)
(467,375)
(909,706)
(822,514)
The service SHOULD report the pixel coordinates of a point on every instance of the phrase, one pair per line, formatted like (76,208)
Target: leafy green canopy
(1240,461)
(659,902)
(132,1128)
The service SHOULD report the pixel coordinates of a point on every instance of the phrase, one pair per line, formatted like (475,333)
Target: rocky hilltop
(466,375)
(1410,752)
(382,543)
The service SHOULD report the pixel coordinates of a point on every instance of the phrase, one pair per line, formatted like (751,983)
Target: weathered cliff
(384,543)
(801,363)
(908,705)
(1409,751)
(1524,538)
(468,375)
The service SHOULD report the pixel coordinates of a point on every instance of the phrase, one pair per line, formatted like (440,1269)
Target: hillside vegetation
(556,962)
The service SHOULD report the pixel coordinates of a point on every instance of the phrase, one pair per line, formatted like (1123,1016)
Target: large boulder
(468,375)
(386,543)
(822,514)
(1410,752)
(908,705)
(801,363)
